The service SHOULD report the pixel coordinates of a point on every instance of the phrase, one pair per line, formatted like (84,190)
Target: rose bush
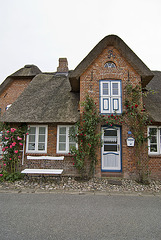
(12,141)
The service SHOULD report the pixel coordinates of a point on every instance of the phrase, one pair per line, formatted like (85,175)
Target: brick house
(50,104)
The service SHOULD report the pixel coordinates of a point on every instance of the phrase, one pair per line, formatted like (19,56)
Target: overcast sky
(40,31)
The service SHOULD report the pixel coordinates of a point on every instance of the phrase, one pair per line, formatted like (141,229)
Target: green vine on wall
(136,119)
(88,135)
(135,116)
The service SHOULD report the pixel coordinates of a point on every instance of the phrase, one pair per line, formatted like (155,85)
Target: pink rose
(13,129)
(1,175)
(18,138)
(4,164)
(16,151)
(21,144)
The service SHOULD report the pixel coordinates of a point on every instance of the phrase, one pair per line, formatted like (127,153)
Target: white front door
(111,156)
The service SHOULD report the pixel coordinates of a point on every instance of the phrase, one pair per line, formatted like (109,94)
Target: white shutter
(105,93)
(110,96)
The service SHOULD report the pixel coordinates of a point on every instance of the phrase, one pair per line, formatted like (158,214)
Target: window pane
(62,146)
(115,88)
(62,138)
(71,145)
(153,131)
(41,146)
(62,130)
(153,148)
(71,129)
(153,139)
(31,146)
(110,148)
(105,89)
(41,138)
(32,130)
(110,132)
(41,130)
(110,65)
(31,138)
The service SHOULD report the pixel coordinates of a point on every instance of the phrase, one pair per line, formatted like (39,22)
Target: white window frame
(67,150)
(158,140)
(110,103)
(36,140)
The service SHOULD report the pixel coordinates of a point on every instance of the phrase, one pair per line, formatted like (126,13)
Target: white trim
(43,171)
(66,151)
(110,96)
(108,156)
(45,158)
(158,141)
(23,151)
(36,140)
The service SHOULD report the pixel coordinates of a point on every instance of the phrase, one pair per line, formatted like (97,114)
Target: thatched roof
(28,71)
(47,98)
(153,100)
(127,53)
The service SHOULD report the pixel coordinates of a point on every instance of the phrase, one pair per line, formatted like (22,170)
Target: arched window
(110,65)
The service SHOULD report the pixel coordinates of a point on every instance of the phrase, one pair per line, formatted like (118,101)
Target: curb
(97,193)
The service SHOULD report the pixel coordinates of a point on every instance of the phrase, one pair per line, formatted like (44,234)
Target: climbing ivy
(88,135)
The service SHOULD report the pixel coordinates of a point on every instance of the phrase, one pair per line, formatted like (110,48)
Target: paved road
(74,217)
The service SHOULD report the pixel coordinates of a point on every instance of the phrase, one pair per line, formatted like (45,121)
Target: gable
(111,40)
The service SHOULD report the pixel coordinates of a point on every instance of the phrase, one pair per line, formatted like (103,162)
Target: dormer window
(110,65)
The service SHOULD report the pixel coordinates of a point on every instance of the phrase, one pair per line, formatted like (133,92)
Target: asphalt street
(65,216)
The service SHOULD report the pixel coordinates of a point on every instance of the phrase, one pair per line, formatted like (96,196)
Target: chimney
(63,66)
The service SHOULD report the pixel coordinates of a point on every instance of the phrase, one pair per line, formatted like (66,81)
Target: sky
(39,32)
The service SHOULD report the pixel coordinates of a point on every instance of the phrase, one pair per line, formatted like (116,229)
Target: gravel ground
(68,184)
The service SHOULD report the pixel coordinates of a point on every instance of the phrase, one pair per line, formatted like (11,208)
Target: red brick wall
(155,166)
(89,83)
(66,164)
(12,92)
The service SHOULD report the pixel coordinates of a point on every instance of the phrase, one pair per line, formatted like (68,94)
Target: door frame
(120,129)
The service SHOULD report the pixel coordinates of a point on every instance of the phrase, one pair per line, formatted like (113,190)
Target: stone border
(70,185)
